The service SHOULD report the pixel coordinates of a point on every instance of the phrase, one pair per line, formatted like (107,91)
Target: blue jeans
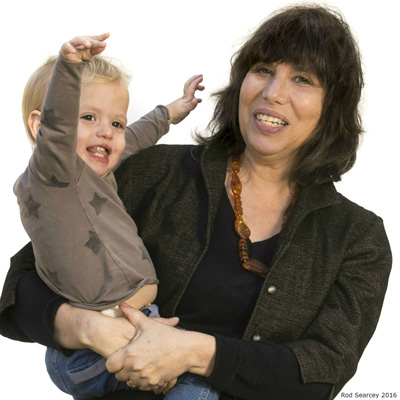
(84,375)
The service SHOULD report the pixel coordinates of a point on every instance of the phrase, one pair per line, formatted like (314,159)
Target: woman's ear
(34,123)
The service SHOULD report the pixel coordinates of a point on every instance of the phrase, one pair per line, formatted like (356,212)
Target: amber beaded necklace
(242,230)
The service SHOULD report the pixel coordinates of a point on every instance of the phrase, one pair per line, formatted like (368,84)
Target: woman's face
(279,107)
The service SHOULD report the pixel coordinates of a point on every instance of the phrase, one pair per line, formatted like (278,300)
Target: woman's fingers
(167,321)
(169,386)
(154,356)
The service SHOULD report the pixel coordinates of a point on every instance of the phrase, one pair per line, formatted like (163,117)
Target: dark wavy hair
(318,39)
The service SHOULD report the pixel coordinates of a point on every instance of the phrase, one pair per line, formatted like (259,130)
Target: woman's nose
(276,89)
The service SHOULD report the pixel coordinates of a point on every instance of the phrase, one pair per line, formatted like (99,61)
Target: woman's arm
(158,354)
(236,367)
(77,328)
(48,319)
(261,370)
(30,311)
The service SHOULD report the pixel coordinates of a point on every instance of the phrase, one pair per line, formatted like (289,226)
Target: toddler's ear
(34,123)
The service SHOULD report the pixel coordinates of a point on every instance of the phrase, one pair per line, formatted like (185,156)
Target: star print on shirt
(53,275)
(32,207)
(53,181)
(97,203)
(49,118)
(145,254)
(94,242)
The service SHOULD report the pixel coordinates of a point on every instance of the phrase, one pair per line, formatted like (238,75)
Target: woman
(304,288)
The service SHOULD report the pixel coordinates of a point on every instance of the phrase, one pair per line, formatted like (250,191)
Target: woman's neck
(264,174)
(265,196)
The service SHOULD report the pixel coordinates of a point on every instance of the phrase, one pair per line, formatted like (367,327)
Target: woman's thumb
(132,314)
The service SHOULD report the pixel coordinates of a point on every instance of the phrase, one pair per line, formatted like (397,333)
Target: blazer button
(256,338)
(271,289)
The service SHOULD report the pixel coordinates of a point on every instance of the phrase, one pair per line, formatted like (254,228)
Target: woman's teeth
(267,120)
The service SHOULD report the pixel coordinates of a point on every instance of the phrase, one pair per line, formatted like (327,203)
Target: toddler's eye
(118,125)
(88,117)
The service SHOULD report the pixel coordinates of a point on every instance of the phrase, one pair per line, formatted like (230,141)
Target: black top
(220,283)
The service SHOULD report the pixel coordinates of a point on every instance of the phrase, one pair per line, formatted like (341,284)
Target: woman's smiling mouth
(270,121)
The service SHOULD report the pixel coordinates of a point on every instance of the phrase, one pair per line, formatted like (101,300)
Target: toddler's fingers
(98,41)
(102,37)
(86,42)
(67,47)
(194,103)
(194,80)
(81,42)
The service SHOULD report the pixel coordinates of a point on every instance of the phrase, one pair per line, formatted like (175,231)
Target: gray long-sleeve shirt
(86,246)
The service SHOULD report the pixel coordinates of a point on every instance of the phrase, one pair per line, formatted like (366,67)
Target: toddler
(86,246)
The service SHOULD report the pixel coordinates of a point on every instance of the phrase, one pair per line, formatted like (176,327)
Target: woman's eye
(118,125)
(303,80)
(263,70)
(88,117)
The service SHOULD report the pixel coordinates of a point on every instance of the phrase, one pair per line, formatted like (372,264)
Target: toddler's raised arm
(149,129)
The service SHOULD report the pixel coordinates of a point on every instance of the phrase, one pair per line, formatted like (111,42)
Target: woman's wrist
(77,328)
(69,327)
(202,353)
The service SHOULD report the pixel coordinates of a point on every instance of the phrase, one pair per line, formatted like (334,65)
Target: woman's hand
(158,354)
(77,328)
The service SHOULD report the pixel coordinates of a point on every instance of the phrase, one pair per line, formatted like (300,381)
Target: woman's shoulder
(337,213)
(357,211)
(162,155)
(326,197)
(155,166)
(353,218)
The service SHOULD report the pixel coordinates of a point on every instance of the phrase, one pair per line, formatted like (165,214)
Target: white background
(163,43)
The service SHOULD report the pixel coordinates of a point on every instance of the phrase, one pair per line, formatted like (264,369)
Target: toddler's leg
(82,375)
(192,387)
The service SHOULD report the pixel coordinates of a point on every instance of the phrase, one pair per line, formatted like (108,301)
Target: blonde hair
(35,92)
(98,69)
(105,70)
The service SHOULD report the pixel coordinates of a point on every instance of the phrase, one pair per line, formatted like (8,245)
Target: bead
(236,186)
(235,164)
(242,229)
(242,244)
(257,267)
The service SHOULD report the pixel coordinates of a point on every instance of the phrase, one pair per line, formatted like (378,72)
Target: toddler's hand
(180,108)
(83,48)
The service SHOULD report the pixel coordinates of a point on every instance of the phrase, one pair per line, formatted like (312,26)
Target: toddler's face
(102,122)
